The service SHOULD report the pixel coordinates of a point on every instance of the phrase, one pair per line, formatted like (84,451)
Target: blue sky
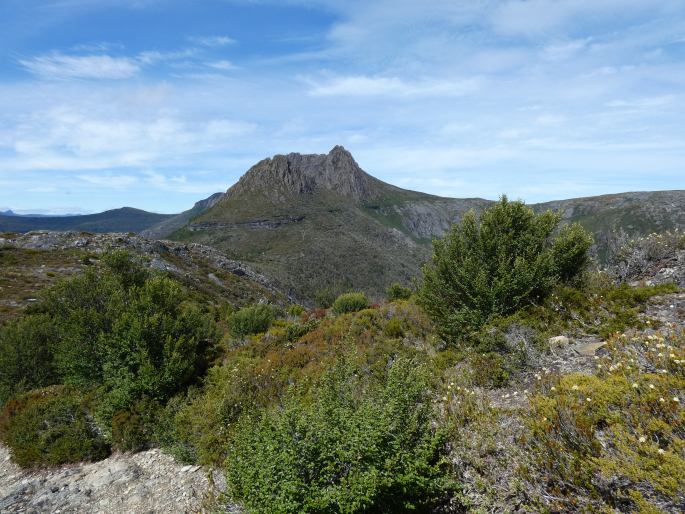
(158,103)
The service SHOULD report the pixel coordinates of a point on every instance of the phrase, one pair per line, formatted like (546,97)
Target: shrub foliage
(119,332)
(350,302)
(495,264)
(355,448)
(49,427)
(251,320)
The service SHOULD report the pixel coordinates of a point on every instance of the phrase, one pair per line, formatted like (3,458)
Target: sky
(156,104)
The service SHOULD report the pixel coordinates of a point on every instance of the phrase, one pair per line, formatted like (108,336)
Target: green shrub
(398,292)
(26,360)
(134,429)
(156,347)
(251,320)
(488,370)
(49,427)
(120,330)
(353,448)
(494,265)
(350,302)
(394,328)
(624,425)
(295,310)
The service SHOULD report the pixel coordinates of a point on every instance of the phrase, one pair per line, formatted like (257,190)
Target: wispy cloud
(212,41)
(60,66)
(360,85)
(107,180)
(222,65)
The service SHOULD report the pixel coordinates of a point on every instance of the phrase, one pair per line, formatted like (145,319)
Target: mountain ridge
(319,222)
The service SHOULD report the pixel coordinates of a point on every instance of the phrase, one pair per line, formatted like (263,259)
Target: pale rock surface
(145,482)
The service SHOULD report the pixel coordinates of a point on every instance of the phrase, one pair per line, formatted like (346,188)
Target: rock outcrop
(150,482)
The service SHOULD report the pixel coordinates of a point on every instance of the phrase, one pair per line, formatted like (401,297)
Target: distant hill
(178,221)
(318,223)
(125,219)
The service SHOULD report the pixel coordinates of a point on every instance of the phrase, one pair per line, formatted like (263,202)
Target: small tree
(495,264)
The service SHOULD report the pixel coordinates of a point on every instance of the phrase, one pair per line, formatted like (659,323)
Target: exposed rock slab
(149,482)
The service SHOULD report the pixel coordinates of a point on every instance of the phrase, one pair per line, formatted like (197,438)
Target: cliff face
(283,176)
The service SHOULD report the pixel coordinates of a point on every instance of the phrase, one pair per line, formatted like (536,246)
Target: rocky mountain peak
(282,176)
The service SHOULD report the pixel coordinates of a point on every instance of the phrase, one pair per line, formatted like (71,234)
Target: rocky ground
(146,482)
(33,261)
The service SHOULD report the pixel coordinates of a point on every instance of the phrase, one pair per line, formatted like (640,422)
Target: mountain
(177,221)
(319,224)
(616,217)
(125,219)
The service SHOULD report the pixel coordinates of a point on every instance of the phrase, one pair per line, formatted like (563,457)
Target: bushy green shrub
(120,332)
(156,347)
(134,429)
(26,356)
(493,265)
(350,302)
(353,448)
(394,328)
(251,320)
(295,310)
(398,292)
(52,426)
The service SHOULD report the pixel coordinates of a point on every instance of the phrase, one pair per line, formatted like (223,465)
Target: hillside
(31,262)
(125,219)
(319,224)
(177,221)
(614,218)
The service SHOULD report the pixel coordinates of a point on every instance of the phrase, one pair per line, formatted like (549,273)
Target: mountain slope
(125,219)
(614,218)
(175,222)
(318,223)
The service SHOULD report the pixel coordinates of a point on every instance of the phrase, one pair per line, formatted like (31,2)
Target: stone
(588,349)
(558,342)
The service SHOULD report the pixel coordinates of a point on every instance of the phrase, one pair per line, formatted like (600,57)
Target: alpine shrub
(354,447)
(49,427)
(495,264)
(251,320)
(350,302)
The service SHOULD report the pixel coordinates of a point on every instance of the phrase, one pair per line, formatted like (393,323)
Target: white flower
(553,388)
(676,399)
(661,400)
(575,387)
(661,451)
(642,439)
(635,385)
(588,399)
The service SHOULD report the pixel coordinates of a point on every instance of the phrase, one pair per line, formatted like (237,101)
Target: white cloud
(547,17)
(566,50)
(360,85)
(59,66)
(113,181)
(222,65)
(212,41)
